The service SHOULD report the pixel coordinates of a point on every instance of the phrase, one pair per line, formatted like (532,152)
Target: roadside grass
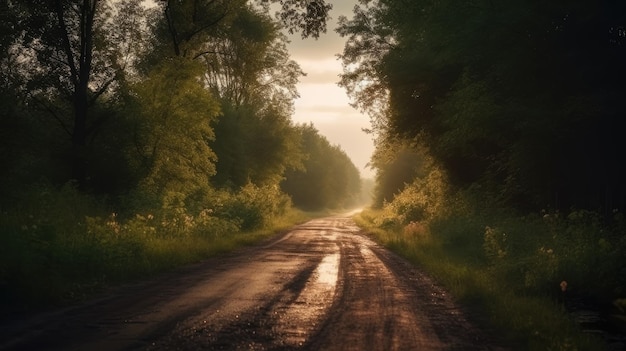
(456,252)
(53,254)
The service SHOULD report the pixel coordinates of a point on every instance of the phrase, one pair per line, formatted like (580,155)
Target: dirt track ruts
(321,286)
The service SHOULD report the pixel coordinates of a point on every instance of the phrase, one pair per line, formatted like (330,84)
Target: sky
(324,103)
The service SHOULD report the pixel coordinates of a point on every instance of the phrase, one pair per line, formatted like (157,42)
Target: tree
(173,118)
(398,164)
(307,17)
(369,39)
(70,60)
(248,67)
(516,97)
(253,146)
(188,22)
(62,36)
(328,179)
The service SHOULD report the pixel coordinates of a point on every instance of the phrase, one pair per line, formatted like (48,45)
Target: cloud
(318,94)
(325,77)
(330,44)
(322,102)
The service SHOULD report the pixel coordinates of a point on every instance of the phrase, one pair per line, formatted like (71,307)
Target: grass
(57,255)
(524,319)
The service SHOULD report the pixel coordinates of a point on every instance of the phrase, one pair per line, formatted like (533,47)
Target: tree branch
(67,47)
(53,113)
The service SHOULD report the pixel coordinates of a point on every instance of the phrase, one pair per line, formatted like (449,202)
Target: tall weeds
(60,245)
(509,267)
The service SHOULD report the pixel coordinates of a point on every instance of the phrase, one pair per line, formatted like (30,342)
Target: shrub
(254,207)
(421,200)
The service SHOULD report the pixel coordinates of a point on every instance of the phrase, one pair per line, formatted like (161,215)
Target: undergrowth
(58,246)
(511,269)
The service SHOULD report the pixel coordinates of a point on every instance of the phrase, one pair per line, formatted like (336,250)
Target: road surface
(321,286)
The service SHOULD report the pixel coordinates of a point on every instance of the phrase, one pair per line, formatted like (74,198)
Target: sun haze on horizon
(322,102)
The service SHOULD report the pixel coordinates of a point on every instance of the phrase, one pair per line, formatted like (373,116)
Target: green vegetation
(59,245)
(508,269)
(498,152)
(135,138)
(521,99)
(327,179)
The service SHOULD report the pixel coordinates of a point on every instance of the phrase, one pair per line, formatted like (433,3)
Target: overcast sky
(322,101)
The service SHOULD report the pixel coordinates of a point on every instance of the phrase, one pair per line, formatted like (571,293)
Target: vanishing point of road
(323,285)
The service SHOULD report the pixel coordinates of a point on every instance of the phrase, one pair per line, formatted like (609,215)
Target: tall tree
(516,96)
(70,59)
(172,130)
(62,36)
(188,22)
(248,67)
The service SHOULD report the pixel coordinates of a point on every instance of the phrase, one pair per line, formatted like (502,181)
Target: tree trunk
(81,77)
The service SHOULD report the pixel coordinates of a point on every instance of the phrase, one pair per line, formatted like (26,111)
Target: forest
(499,155)
(140,135)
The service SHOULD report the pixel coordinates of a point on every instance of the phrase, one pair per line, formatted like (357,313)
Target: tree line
(499,153)
(522,100)
(136,136)
(153,100)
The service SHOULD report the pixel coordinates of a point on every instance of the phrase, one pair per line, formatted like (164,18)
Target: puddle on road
(304,316)
(328,270)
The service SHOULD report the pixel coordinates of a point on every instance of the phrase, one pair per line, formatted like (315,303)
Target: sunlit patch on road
(301,318)
(327,270)
(322,286)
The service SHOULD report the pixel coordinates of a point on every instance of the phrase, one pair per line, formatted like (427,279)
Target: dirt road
(321,286)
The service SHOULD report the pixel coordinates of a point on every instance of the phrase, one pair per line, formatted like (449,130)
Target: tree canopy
(157,101)
(521,98)
(328,178)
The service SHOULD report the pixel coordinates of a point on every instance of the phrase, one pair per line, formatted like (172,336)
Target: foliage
(173,130)
(510,268)
(507,96)
(421,200)
(307,17)
(117,136)
(247,62)
(253,145)
(513,105)
(60,239)
(254,207)
(328,179)
(71,58)
(397,164)
(248,68)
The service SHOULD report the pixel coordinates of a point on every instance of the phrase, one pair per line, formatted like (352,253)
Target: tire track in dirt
(322,286)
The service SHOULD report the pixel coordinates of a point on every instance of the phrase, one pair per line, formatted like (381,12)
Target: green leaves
(307,17)
(328,179)
(504,95)
(173,128)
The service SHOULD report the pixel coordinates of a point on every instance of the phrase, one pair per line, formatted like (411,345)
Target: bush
(421,200)
(254,207)
(71,243)
(511,267)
